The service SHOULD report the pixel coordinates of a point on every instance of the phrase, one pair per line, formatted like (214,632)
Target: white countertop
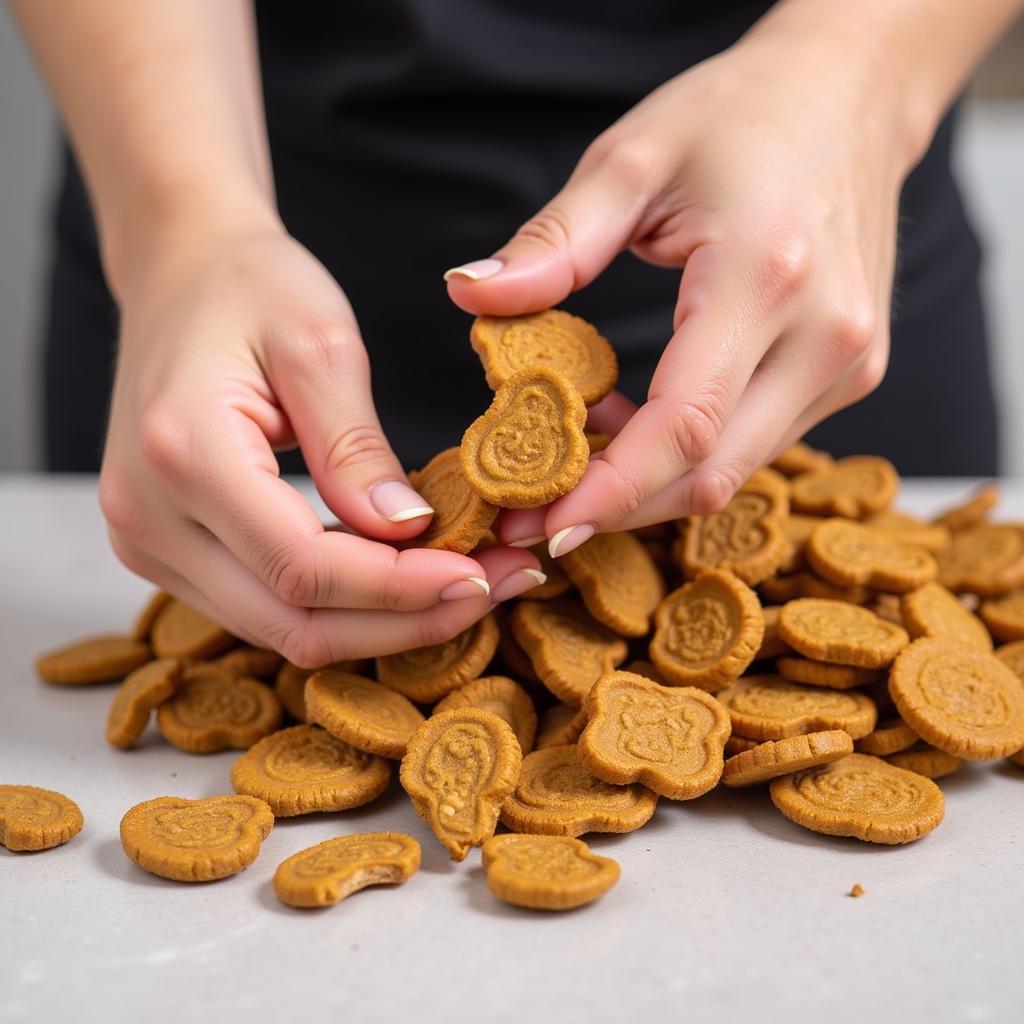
(725,909)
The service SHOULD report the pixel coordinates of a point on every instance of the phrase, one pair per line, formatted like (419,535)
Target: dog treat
(371,717)
(502,696)
(328,872)
(98,659)
(852,487)
(426,674)
(898,526)
(987,560)
(768,708)
(143,626)
(926,760)
(844,634)
(560,725)
(960,699)
(933,611)
(290,683)
(783,589)
(515,659)
(145,689)
(973,511)
(737,744)
(769,760)
(461,516)
(528,448)
(546,872)
(551,338)
(37,819)
(305,769)
(557,796)
(849,554)
(460,767)
(863,797)
(798,530)
(180,631)
(1004,616)
(211,711)
(1012,656)
(707,632)
(618,581)
(822,673)
(669,739)
(597,440)
(801,458)
(645,669)
(890,736)
(772,645)
(196,840)
(251,662)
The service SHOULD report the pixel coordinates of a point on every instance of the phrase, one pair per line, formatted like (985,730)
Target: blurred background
(990,162)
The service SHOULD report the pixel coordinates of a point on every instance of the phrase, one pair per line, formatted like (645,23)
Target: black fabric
(411,135)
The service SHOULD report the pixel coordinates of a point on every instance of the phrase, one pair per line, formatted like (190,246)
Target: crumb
(857,891)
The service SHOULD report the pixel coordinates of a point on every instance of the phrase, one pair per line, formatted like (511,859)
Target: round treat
(852,487)
(845,634)
(769,760)
(182,632)
(822,673)
(928,761)
(144,623)
(932,610)
(461,517)
(801,458)
(98,659)
(36,819)
(906,529)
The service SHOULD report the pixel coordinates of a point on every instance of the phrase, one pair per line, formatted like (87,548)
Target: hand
(233,346)
(771,174)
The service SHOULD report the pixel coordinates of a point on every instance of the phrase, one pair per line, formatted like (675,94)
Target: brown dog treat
(597,440)
(461,517)
(426,674)
(887,606)
(798,530)
(546,872)
(959,699)
(528,448)
(515,659)
(212,711)
(37,819)
(890,736)
(557,796)
(906,529)
(783,589)
(769,760)
(328,872)
(878,694)
(290,683)
(1012,656)
(772,645)
(862,797)
(144,623)
(568,649)
(145,689)
(645,669)
(852,487)
(849,554)
(557,582)
(707,632)
(932,610)
(551,338)
(737,744)
(973,511)
(822,673)
(196,840)
(502,696)
(844,634)
(926,760)
(251,662)
(371,717)
(801,458)
(98,659)
(768,708)
(1004,616)
(669,739)
(305,769)
(560,726)
(987,559)
(182,632)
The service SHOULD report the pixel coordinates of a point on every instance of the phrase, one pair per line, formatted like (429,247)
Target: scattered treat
(546,872)
(707,632)
(933,611)
(973,511)
(305,769)
(179,631)
(557,582)
(211,710)
(1004,616)
(766,761)
(987,560)
(862,797)
(460,767)
(560,725)
(890,736)
(145,689)
(37,819)
(251,662)
(328,872)
(849,554)
(772,645)
(371,717)
(783,589)
(801,458)
(502,696)
(960,699)
(857,891)
(822,673)
(852,487)
(528,449)
(143,626)
(841,633)
(98,659)
(926,760)
(898,526)
(461,517)
(426,674)
(196,840)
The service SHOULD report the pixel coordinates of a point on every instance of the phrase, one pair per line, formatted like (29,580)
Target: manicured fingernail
(516,583)
(570,538)
(526,542)
(475,271)
(397,502)
(471,586)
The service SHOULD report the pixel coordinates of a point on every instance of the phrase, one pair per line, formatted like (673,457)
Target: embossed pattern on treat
(890,736)
(502,696)
(554,338)
(305,769)
(765,761)
(528,448)
(669,739)
(862,797)
(145,689)
(932,610)
(180,631)
(560,725)
(461,517)
(987,559)
(844,634)
(1004,616)
(972,511)
(852,487)
(557,796)
(196,840)
(36,819)
(849,554)
(97,659)
(959,699)
(707,632)
(618,581)
(926,760)
(459,767)
(821,673)
(546,872)
(328,872)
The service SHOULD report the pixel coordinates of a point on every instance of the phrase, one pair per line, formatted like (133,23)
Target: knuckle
(550,227)
(302,645)
(118,503)
(711,492)
(785,264)
(126,554)
(394,593)
(166,443)
(694,426)
(355,444)
(333,346)
(630,160)
(869,374)
(437,628)
(294,578)
(854,329)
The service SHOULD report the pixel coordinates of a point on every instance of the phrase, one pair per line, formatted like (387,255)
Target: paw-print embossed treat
(841,633)
(305,769)
(932,610)
(37,819)
(461,517)
(852,487)
(849,554)
(145,689)
(180,631)
(459,768)
(98,659)
(774,758)
(505,697)
(196,840)
(987,559)
(670,739)
(328,872)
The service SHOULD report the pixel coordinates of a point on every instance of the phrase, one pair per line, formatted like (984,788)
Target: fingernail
(518,582)
(471,586)
(397,502)
(570,538)
(475,271)
(526,542)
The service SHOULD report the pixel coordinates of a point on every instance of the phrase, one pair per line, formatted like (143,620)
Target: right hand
(233,346)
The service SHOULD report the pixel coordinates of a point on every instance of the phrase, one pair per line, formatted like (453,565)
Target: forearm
(163,105)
